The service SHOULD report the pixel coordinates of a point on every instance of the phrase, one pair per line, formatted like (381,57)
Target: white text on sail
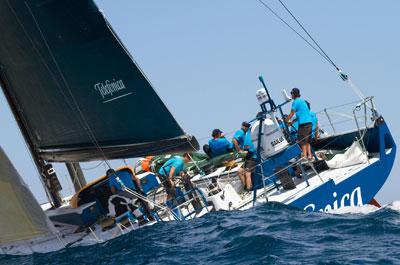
(108,89)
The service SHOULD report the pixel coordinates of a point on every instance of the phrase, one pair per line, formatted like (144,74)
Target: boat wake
(269,233)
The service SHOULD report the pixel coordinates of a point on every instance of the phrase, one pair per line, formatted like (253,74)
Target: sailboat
(77,95)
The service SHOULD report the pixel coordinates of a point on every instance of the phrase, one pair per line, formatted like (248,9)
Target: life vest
(146,162)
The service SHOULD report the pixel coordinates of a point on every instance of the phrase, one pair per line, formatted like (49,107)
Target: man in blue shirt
(304,119)
(250,163)
(219,145)
(118,181)
(239,137)
(172,168)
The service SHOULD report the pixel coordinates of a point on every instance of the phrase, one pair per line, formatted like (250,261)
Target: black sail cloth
(75,87)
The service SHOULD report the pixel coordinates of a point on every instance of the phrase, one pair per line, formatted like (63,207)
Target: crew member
(304,119)
(250,163)
(219,145)
(239,137)
(172,168)
(122,179)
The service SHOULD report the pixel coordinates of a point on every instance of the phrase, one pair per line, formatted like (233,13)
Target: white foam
(395,205)
(365,209)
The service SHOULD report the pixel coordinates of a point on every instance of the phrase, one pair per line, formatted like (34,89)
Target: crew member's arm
(112,182)
(136,180)
(171,176)
(290,116)
(316,131)
(236,144)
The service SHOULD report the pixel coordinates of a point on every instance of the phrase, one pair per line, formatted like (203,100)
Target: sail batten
(79,92)
(83,154)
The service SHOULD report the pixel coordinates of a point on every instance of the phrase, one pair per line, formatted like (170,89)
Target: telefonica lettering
(353,199)
(108,88)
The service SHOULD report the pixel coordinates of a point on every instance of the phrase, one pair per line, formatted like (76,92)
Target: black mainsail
(74,87)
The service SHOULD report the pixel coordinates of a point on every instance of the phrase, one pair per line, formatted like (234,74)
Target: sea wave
(268,234)
(395,206)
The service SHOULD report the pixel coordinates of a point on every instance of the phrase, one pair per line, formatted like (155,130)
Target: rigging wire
(316,46)
(294,30)
(309,35)
(93,167)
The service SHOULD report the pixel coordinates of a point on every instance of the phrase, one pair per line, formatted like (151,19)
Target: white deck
(271,194)
(337,175)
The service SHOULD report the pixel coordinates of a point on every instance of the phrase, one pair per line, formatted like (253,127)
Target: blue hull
(360,188)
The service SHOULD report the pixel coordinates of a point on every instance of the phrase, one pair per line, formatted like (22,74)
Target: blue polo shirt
(176,162)
(219,146)
(249,146)
(314,123)
(240,135)
(125,177)
(299,105)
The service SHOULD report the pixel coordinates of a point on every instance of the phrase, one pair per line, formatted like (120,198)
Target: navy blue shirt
(219,146)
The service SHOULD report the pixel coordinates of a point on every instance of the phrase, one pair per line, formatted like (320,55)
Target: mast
(47,173)
(76,175)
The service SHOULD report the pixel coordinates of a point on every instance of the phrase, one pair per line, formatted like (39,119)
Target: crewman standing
(304,119)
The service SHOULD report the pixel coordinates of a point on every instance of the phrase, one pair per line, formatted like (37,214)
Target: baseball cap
(246,124)
(295,91)
(215,132)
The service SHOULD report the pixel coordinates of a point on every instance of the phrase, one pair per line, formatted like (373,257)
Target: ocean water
(267,234)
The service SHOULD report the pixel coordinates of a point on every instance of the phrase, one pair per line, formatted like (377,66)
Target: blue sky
(204,57)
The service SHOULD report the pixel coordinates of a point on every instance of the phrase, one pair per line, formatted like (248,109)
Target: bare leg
(170,190)
(249,184)
(304,149)
(310,155)
(241,176)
